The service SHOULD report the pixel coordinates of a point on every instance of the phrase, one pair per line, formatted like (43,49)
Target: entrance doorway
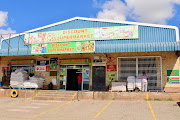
(72,81)
(99,78)
(68,77)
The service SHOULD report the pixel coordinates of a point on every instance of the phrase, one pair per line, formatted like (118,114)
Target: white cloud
(6,31)
(3,18)
(3,22)
(151,11)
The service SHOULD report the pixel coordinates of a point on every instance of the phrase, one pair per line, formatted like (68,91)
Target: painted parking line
(150,107)
(112,97)
(15,104)
(53,108)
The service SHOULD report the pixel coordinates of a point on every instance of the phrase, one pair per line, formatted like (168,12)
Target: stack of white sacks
(138,83)
(131,82)
(17,78)
(20,79)
(34,82)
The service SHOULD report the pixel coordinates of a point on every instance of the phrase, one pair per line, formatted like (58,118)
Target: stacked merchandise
(34,82)
(131,82)
(138,83)
(119,86)
(17,78)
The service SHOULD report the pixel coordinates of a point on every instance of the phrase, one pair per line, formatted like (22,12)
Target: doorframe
(137,63)
(105,72)
(58,77)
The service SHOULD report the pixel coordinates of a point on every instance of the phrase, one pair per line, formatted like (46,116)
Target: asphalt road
(21,109)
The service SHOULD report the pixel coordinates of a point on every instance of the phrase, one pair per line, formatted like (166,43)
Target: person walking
(144,78)
(79,81)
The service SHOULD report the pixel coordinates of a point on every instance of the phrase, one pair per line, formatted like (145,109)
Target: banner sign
(40,68)
(173,76)
(84,34)
(75,61)
(17,62)
(111,67)
(43,62)
(62,48)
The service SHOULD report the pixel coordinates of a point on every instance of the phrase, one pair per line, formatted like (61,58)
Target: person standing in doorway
(79,81)
(144,78)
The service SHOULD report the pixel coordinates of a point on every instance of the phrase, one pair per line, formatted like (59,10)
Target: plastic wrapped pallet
(34,82)
(17,78)
(119,86)
(139,83)
(131,82)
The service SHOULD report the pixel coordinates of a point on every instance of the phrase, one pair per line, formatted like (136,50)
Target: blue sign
(43,62)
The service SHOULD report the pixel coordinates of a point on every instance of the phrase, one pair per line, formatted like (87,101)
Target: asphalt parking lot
(21,109)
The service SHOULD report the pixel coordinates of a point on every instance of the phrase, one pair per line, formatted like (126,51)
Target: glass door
(85,77)
(63,77)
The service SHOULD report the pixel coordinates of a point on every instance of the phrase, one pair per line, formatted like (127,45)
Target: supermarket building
(103,51)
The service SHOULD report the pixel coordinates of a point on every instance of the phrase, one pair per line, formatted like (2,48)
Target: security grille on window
(135,66)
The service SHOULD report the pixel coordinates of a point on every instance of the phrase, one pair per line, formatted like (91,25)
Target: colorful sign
(74,61)
(62,48)
(53,63)
(173,76)
(53,73)
(111,77)
(84,34)
(111,67)
(16,62)
(41,68)
(43,62)
(5,68)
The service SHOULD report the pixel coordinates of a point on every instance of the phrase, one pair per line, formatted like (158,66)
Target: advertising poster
(84,34)
(53,63)
(111,77)
(62,48)
(40,68)
(111,67)
(173,76)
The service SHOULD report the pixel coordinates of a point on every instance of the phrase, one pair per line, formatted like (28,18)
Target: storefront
(101,51)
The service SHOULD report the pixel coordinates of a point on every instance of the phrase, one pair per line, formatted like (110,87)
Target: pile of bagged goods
(133,82)
(20,79)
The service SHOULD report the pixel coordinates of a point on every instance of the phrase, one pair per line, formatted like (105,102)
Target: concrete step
(53,98)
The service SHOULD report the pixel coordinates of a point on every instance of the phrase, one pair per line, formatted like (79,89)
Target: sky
(17,16)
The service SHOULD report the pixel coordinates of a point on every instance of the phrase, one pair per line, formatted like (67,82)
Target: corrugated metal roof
(148,36)
(117,46)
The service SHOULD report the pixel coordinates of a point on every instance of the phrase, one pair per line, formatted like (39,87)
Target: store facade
(102,51)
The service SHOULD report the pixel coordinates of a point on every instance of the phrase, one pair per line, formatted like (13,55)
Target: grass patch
(148,99)
(157,99)
(169,99)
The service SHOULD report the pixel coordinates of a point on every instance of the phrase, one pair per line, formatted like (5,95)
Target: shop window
(135,67)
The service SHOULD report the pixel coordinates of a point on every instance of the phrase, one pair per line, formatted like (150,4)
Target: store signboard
(84,34)
(17,62)
(40,68)
(74,61)
(111,67)
(173,76)
(62,48)
(43,62)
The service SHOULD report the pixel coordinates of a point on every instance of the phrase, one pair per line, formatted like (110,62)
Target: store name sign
(74,61)
(85,34)
(62,48)
(15,62)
